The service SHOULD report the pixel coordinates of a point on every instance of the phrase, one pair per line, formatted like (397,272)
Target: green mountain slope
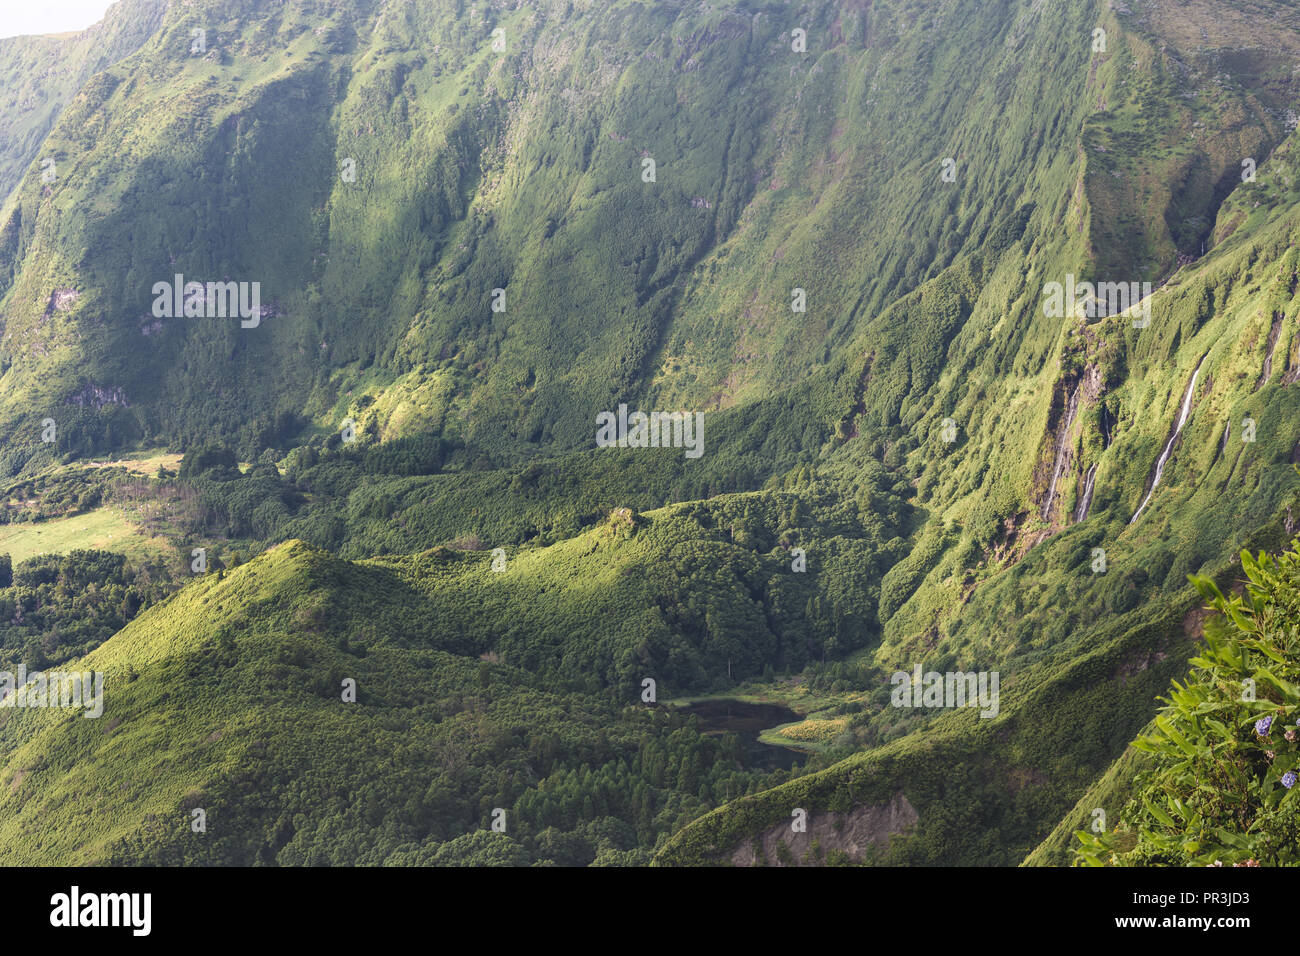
(974,483)
(1039,611)
(229,698)
(469,170)
(43,73)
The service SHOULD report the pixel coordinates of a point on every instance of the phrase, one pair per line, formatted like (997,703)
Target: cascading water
(1062,446)
(1082,511)
(1169,446)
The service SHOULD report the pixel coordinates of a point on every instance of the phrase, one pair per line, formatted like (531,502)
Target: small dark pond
(747,721)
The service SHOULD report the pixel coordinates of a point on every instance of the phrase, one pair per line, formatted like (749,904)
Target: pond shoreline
(755,720)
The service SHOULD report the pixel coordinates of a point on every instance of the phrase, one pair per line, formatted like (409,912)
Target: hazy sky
(49,16)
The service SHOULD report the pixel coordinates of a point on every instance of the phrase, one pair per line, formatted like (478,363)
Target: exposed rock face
(852,833)
(1063,457)
(62,300)
(96,396)
(1139,661)
(1072,394)
(1093,385)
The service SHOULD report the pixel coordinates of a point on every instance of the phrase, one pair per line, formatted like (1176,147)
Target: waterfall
(1062,445)
(1082,511)
(1169,446)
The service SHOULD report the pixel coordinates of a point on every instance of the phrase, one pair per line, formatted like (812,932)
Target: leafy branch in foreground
(1225,748)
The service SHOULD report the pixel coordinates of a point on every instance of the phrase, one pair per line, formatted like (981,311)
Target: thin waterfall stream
(1062,449)
(1082,511)
(1169,446)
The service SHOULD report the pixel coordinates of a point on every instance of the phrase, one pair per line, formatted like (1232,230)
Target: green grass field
(105,529)
(145,463)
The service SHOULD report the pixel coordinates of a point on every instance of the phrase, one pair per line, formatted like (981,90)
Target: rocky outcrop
(853,833)
(97,396)
(62,300)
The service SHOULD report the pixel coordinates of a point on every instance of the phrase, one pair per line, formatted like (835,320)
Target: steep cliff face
(826,837)
(682,206)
